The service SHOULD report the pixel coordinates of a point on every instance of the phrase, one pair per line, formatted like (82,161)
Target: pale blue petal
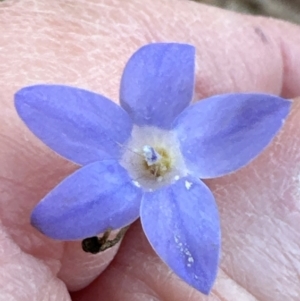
(182,224)
(97,197)
(158,83)
(80,125)
(223,133)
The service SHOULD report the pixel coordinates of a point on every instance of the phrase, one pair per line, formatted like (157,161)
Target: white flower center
(153,158)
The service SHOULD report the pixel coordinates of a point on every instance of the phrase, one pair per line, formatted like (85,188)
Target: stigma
(151,155)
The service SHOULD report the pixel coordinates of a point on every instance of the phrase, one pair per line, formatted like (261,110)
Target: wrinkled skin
(87,45)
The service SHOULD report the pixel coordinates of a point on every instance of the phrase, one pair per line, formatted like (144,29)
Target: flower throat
(153,158)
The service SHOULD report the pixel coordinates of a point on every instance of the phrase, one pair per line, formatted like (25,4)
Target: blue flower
(145,157)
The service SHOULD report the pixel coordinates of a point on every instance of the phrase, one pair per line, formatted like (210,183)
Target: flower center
(153,158)
(157,161)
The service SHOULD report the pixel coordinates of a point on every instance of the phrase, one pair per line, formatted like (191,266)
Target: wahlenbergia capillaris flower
(145,157)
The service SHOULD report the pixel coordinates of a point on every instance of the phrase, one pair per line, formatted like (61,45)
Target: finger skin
(261,211)
(87,45)
(18,272)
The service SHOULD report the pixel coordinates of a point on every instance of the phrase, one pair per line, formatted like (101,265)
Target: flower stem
(96,244)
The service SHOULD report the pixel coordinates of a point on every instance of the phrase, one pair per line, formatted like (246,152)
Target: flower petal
(158,83)
(79,125)
(223,133)
(95,198)
(182,224)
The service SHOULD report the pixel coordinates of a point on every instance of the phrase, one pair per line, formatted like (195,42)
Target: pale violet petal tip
(181,222)
(223,133)
(97,197)
(80,125)
(158,83)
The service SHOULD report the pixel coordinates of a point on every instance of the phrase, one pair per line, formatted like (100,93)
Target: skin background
(87,44)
